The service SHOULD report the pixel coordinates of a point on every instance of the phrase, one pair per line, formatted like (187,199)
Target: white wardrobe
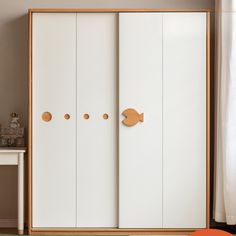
(88,169)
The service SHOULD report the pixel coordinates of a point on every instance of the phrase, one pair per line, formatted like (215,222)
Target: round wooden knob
(105,116)
(67,116)
(46,116)
(86,116)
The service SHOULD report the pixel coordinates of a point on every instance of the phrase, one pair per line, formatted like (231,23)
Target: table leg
(21,193)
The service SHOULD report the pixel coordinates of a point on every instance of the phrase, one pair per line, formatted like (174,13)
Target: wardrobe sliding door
(162,161)
(140,146)
(97,131)
(54,141)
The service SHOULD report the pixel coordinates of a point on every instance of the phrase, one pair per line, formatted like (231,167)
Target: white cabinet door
(140,146)
(184,120)
(97,80)
(54,142)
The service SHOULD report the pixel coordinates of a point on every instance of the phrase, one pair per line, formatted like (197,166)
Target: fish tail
(141,117)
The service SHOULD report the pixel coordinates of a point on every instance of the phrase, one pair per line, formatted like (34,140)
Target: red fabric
(210,232)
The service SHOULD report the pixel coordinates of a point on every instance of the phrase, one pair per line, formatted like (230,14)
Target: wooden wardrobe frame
(117,231)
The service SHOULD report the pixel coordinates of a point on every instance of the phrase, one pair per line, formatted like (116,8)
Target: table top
(12,149)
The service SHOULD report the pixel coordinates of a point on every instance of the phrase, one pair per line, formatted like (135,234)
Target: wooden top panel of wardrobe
(117,10)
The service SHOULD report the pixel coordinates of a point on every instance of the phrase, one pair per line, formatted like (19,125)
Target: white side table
(15,156)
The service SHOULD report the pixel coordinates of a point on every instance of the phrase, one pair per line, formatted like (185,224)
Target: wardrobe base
(110,231)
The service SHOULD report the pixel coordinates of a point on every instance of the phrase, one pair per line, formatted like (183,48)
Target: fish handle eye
(132,117)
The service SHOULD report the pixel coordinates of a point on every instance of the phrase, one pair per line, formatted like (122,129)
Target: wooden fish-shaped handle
(132,117)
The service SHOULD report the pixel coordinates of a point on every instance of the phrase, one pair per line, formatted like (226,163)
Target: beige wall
(14,65)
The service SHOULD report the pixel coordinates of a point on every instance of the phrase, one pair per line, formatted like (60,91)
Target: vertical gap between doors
(118,115)
(162,117)
(76,121)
